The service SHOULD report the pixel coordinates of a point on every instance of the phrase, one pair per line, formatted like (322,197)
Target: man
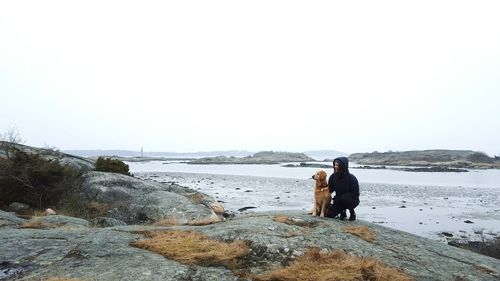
(346,188)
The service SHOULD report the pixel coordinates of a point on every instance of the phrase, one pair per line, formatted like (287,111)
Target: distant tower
(142,153)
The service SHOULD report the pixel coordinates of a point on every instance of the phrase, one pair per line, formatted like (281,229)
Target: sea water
(489,178)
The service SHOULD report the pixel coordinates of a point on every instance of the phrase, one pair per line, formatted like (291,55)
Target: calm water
(474,178)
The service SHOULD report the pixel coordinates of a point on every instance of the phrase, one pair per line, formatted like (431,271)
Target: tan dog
(322,195)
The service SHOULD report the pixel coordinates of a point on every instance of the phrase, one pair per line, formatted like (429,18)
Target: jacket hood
(344,162)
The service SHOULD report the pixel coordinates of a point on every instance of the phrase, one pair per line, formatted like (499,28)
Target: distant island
(139,156)
(156,154)
(263,157)
(436,159)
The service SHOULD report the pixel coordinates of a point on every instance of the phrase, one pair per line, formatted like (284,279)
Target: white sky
(354,76)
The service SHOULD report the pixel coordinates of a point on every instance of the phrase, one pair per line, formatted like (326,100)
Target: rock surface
(76,162)
(105,253)
(132,200)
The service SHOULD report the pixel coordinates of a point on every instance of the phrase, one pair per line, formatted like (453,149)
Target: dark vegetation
(38,178)
(32,179)
(112,166)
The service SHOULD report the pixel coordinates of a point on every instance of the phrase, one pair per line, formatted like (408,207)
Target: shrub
(31,179)
(111,165)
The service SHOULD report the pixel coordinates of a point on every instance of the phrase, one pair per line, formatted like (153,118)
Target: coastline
(434,212)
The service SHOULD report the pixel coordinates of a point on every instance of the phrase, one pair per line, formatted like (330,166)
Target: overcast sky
(186,76)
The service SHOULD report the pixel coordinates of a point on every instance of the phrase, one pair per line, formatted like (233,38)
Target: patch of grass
(483,269)
(62,279)
(33,223)
(334,266)
(361,231)
(168,222)
(204,221)
(98,209)
(194,248)
(194,222)
(196,198)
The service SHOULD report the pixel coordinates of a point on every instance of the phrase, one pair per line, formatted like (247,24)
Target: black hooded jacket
(347,183)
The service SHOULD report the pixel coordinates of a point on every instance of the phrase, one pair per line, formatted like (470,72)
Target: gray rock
(106,222)
(76,162)
(137,201)
(274,242)
(10,220)
(17,207)
(59,221)
(106,254)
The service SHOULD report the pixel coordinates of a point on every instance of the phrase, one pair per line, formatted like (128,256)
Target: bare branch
(12,135)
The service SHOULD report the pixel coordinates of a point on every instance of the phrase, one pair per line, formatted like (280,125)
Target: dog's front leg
(315,208)
(324,205)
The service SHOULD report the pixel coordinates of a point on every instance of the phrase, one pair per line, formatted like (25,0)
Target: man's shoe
(343,215)
(352,216)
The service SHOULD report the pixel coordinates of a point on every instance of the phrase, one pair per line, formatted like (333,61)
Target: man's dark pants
(340,203)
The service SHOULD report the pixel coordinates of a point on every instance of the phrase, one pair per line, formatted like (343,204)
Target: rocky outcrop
(434,158)
(264,157)
(117,199)
(90,253)
(132,200)
(76,162)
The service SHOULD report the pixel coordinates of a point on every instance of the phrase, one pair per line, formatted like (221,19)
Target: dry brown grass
(168,222)
(33,223)
(98,209)
(361,231)
(334,266)
(196,198)
(62,279)
(194,248)
(483,269)
(194,222)
(204,221)
(282,219)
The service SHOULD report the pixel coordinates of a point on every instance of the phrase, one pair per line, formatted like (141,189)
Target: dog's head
(319,176)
